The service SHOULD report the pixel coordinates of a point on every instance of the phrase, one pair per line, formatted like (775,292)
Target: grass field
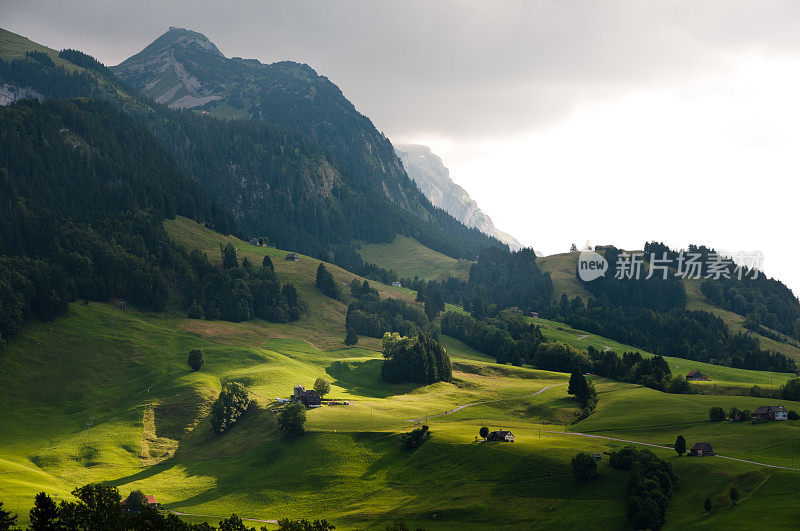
(105,395)
(409,258)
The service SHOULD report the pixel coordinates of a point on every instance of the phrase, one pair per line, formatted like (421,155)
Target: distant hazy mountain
(433,179)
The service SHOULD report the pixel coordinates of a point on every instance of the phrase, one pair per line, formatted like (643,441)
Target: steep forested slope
(305,178)
(83,190)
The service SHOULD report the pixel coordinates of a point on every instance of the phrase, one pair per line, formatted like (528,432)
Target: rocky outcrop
(433,179)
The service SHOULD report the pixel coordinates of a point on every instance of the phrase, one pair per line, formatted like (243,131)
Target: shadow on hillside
(364,378)
(145,473)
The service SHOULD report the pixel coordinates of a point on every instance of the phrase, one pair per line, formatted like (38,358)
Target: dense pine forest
(305,189)
(84,190)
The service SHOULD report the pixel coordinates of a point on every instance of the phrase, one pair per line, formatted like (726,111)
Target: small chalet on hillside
(397,284)
(702,449)
(293,257)
(501,436)
(771,413)
(308,398)
(696,375)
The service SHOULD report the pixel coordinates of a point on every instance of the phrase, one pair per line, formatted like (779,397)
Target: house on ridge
(501,436)
(696,375)
(771,413)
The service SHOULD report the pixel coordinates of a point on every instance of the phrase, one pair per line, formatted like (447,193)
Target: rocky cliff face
(433,179)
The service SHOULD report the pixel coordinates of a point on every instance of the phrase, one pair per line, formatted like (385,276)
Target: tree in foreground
(44,515)
(351,338)
(234,523)
(680,445)
(322,387)
(231,404)
(483,432)
(734,495)
(196,360)
(292,419)
(136,502)
(6,518)
(584,467)
(285,524)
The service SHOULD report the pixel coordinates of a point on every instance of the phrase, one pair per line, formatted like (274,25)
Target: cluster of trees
(655,293)
(766,302)
(416,437)
(418,359)
(717,414)
(692,334)
(505,335)
(584,392)
(790,390)
(100,507)
(326,284)
(371,316)
(347,257)
(498,277)
(649,487)
(237,292)
(228,408)
(292,419)
(83,193)
(632,367)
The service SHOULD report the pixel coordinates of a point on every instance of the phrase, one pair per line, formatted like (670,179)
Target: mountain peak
(175,38)
(433,179)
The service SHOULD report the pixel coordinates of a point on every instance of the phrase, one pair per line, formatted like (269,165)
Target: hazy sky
(613,122)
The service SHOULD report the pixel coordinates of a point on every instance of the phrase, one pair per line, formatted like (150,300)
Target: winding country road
(669,448)
(459,408)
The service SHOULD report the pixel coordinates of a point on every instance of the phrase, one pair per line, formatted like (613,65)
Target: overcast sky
(613,122)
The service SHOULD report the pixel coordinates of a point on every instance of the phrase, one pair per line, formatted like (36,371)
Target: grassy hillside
(410,258)
(105,395)
(13,46)
(562,272)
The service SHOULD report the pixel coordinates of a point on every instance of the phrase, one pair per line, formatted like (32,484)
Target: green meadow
(105,395)
(410,259)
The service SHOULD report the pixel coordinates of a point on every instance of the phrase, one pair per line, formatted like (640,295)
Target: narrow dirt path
(459,408)
(669,448)
(583,336)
